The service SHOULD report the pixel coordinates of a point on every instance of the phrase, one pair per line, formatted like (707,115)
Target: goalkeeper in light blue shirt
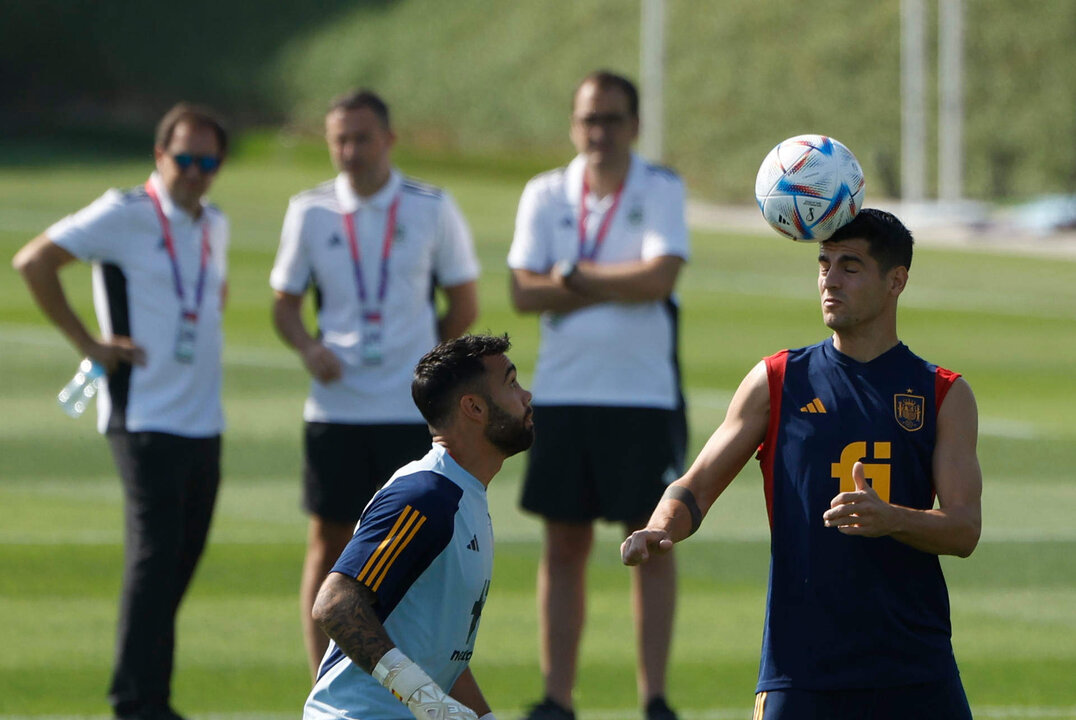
(402,604)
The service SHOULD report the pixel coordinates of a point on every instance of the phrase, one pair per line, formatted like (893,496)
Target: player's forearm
(941,531)
(344,611)
(673,517)
(725,453)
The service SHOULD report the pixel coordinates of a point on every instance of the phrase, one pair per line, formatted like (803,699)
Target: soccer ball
(808,186)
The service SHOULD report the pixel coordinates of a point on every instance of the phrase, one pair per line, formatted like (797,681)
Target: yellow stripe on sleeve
(406,541)
(391,538)
(389,550)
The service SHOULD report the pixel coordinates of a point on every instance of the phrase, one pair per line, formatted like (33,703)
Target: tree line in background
(494,78)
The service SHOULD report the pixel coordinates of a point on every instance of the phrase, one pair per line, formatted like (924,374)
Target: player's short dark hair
(363,98)
(196,115)
(889,242)
(450,370)
(606,80)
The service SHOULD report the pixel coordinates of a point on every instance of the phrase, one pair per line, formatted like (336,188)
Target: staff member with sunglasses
(158,255)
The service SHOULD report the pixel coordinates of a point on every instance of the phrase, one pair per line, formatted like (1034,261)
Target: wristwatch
(564,269)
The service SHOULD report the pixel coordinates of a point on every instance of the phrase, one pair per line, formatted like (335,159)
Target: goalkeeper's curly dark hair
(449,370)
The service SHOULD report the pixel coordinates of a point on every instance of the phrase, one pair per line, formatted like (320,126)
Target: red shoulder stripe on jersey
(943,380)
(775,373)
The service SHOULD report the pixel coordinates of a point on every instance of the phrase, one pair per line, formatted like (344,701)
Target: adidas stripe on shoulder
(663,171)
(129,195)
(417,187)
(319,194)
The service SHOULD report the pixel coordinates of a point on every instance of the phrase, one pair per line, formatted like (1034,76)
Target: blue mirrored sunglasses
(206,164)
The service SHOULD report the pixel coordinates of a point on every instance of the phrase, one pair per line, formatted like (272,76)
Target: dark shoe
(549,709)
(658,709)
(152,712)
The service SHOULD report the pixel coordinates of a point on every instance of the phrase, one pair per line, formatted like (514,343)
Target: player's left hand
(860,512)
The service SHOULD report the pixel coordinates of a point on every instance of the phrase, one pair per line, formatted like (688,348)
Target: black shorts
(943,700)
(345,464)
(611,463)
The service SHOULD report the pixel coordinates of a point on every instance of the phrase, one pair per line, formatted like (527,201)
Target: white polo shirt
(432,246)
(615,353)
(135,294)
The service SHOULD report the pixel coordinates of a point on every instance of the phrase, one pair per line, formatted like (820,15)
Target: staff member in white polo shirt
(158,254)
(597,250)
(373,245)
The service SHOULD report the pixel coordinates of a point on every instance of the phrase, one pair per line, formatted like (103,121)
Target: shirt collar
(350,201)
(454,469)
(168,207)
(574,177)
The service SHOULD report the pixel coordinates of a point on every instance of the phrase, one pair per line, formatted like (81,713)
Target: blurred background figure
(159,266)
(597,250)
(373,246)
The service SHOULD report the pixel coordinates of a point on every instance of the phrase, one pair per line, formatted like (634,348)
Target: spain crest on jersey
(909,410)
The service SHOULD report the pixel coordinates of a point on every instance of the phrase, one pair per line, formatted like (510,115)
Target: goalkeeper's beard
(507,433)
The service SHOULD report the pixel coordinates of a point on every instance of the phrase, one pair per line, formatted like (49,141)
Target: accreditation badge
(185,337)
(370,340)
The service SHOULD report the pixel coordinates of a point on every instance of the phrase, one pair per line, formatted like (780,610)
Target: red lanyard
(603,229)
(386,247)
(170,246)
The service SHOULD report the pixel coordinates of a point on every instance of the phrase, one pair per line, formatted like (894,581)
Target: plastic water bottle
(77,394)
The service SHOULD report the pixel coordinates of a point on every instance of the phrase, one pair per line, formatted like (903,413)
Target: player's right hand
(412,686)
(641,544)
(116,351)
(322,363)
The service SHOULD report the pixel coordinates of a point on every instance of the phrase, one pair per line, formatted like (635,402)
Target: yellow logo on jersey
(909,410)
(815,406)
(877,473)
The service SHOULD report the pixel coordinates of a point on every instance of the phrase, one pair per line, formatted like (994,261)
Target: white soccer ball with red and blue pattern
(808,186)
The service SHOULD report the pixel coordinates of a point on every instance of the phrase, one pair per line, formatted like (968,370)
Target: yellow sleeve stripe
(399,549)
(760,707)
(399,531)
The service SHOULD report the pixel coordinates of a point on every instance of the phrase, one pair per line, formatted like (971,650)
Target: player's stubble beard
(507,433)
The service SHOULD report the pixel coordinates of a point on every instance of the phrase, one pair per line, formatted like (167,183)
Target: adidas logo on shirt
(815,406)
(473,545)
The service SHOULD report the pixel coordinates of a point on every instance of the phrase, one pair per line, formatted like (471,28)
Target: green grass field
(1008,323)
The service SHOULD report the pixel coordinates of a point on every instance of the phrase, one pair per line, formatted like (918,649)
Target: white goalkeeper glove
(413,687)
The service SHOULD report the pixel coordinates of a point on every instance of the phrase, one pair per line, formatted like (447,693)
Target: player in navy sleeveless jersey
(870,473)
(403,603)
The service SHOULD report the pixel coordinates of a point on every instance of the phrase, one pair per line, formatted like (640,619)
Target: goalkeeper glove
(413,687)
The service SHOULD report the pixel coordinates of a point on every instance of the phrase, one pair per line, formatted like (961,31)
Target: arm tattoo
(344,610)
(685,496)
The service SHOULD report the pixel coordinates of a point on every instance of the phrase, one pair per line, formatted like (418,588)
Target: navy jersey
(424,546)
(849,612)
